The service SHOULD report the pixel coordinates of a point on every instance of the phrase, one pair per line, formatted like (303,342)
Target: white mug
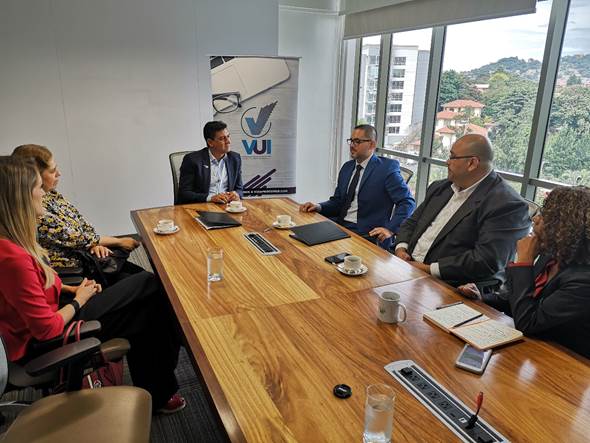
(353,263)
(166,225)
(236,204)
(283,220)
(390,307)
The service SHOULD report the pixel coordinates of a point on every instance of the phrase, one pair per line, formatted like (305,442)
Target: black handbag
(103,270)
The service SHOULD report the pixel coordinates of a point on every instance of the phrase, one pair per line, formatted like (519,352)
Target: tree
(454,86)
(574,80)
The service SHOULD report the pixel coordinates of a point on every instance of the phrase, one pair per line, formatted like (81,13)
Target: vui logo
(257,127)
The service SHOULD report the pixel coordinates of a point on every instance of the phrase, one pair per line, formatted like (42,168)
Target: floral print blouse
(62,230)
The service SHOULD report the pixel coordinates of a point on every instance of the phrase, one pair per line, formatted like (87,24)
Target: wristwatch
(76,306)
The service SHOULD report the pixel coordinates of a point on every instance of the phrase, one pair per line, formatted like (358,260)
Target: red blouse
(27,310)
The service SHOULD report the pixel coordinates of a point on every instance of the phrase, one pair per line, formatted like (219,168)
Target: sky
(471,45)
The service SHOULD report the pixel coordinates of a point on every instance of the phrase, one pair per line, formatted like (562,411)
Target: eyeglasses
(226,102)
(357,141)
(458,157)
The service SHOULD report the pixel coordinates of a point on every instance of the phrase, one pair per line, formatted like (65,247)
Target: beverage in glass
(214,264)
(379,414)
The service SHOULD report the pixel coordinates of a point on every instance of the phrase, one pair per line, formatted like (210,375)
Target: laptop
(216,220)
(317,233)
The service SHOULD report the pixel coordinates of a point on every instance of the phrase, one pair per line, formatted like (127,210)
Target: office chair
(116,413)
(534,208)
(175,162)
(406,173)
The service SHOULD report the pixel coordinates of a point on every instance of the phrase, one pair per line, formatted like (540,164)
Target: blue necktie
(350,193)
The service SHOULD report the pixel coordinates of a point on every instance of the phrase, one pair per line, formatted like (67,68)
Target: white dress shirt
(219,181)
(352,214)
(425,241)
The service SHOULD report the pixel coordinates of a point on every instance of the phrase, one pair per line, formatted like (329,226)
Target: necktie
(350,193)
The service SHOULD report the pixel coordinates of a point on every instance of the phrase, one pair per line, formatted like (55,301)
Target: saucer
(361,271)
(174,231)
(235,211)
(289,226)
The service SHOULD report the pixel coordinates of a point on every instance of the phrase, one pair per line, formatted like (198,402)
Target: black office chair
(175,162)
(116,413)
(406,173)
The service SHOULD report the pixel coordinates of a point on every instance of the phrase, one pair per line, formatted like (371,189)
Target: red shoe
(175,404)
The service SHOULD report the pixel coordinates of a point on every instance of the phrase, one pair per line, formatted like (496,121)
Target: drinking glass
(379,414)
(214,264)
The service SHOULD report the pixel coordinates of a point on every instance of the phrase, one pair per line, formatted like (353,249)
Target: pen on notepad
(449,305)
(466,321)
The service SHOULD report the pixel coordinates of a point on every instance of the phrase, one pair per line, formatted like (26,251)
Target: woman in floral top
(62,229)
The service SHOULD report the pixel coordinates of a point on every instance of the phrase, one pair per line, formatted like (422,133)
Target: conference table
(272,339)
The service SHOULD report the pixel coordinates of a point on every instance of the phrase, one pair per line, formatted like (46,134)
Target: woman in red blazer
(30,290)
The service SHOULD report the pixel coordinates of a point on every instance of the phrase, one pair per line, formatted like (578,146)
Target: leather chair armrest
(89,329)
(60,357)
(71,280)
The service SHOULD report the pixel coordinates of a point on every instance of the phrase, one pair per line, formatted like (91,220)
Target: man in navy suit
(213,174)
(369,188)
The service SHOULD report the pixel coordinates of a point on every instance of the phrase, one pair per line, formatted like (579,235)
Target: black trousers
(137,309)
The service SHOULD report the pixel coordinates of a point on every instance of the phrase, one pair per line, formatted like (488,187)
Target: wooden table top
(273,338)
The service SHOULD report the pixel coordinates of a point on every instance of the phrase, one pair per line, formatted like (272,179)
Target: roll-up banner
(257,98)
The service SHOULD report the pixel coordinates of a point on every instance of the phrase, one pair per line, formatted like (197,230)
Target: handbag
(108,373)
(103,270)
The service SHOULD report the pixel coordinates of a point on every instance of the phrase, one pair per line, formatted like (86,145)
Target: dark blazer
(480,237)
(561,312)
(381,189)
(195,176)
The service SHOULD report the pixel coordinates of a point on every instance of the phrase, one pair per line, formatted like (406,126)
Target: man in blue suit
(369,188)
(213,174)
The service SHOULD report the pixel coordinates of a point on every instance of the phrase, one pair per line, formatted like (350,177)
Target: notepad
(482,333)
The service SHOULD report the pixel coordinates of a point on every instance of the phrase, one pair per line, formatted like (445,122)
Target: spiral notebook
(482,332)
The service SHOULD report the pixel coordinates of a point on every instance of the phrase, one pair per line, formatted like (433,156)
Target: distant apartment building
(406,90)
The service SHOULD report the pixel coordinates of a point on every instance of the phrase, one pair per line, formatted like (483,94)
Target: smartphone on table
(336,259)
(473,360)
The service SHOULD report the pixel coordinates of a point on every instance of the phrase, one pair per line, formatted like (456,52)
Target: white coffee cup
(235,205)
(390,308)
(283,220)
(353,263)
(166,225)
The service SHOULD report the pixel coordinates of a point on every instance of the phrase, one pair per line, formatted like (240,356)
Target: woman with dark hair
(548,288)
(32,306)
(62,229)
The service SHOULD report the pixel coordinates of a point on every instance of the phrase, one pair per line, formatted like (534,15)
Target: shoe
(175,404)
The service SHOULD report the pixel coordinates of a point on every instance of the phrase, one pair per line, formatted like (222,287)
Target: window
(396,84)
(393,129)
(394,118)
(368,76)
(396,96)
(398,73)
(395,107)
(566,154)
(399,61)
(492,92)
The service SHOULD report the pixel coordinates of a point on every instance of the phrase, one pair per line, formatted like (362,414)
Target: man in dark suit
(213,174)
(369,188)
(467,227)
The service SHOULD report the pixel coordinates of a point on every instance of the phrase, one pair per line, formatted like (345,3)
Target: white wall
(113,86)
(313,36)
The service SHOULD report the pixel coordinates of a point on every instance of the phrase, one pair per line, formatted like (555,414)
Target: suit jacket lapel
(206,168)
(471,203)
(230,172)
(370,168)
(435,205)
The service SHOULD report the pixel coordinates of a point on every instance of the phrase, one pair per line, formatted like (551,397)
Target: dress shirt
(427,238)
(352,214)
(219,182)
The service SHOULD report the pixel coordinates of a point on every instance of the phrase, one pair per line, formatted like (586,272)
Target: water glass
(379,414)
(214,264)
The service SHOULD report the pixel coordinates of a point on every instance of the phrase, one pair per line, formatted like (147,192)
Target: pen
(449,305)
(466,321)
